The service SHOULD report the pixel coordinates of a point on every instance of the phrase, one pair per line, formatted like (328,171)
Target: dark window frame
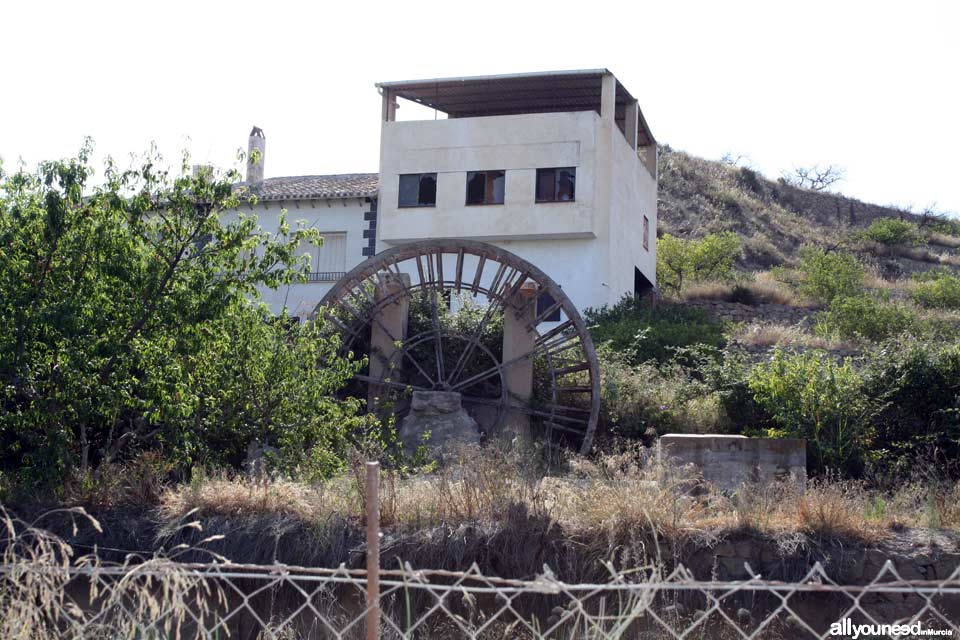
(646,233)
(486,172)
(556,190)
(544,302)
(418,205)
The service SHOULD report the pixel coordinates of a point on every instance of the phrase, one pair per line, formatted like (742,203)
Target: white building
(558,167)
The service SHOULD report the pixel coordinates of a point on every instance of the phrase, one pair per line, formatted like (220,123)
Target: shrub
(828,275)
(893,232)
(129,327)
(914,389)
(939,292)
(680,262)
(811,396)
(637,401)
(644,332)
(865,317)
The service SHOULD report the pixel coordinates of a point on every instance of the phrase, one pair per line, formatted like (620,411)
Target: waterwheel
(468,317)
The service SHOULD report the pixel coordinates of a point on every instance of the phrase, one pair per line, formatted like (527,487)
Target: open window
(418,190)
(557,185)
(485,187)
(545,302)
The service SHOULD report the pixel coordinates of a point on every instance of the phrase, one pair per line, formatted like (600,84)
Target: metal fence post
(373,550)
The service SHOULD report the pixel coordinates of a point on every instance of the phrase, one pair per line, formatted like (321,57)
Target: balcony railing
(325,276)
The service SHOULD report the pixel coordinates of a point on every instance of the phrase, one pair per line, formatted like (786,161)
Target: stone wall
(762,312)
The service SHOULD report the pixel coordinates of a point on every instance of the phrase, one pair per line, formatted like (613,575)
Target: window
(556,185)
(418,190)
(328,261)
(646,233)
(544,302)
(485,187)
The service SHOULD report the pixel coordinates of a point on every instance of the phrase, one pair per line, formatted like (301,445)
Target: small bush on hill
(940,291)
(681,262)
(828,275)
(809,395)
(644,332)
(893,232)
(865,317)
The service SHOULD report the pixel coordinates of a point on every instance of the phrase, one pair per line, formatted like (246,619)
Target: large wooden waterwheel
(472,318)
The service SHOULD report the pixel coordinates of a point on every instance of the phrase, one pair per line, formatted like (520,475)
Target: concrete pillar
(518,377)
(389,325)
(389,110)
(630,123)
(608,97)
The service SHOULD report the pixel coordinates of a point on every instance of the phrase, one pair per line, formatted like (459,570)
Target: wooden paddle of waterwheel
(464,316)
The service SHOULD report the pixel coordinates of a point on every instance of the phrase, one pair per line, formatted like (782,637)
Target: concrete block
(730,462)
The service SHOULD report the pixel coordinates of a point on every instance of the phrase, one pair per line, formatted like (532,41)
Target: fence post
(373,550)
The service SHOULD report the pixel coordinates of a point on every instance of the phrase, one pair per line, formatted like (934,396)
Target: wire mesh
(165,599)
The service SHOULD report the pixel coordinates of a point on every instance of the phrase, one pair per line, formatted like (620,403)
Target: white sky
(871,86)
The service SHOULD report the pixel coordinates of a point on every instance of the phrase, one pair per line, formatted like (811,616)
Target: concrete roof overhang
(542,92)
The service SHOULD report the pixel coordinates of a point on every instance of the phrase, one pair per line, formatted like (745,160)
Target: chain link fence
(164,599)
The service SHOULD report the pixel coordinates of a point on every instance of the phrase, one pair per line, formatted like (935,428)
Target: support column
(631,123)
(608,97)
(518,377)
(389,110)
(390,323)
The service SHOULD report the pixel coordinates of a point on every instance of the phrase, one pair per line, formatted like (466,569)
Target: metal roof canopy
(497,95)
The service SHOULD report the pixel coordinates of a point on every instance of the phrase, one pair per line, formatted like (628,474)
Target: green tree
(825,275)
(811,396)
(128,320)
(680,262)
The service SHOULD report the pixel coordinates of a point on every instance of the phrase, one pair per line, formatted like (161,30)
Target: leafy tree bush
(645,332)
(652,399)
(866,317)
(827,275)
(941,291)
(914,391)
(680,262)
(127,325)
(811,396)
(893,232)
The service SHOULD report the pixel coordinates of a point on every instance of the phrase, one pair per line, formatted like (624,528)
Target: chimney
(256,151)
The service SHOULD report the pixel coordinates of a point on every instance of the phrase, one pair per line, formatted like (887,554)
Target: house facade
(558,168)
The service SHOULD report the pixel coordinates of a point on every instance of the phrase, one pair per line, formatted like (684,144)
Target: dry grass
(594,499)
(873,280)
(944,240)
(778,335)
(763,288)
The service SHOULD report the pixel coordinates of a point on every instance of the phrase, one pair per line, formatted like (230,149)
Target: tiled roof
(344,185)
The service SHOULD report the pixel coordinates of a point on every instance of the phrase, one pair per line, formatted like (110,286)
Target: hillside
(774,219)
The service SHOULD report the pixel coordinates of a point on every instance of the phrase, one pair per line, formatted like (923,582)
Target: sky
(873,87)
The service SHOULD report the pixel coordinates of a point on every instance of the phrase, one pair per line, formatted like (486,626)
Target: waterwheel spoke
(390,383)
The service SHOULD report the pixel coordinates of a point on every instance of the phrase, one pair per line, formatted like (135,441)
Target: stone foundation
(730,462)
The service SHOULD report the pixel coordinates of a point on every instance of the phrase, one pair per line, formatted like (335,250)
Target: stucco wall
(633,196)
(328,216)
(519,144)
(589,246)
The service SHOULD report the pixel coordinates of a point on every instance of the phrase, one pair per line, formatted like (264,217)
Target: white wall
(590,246)
(328,216)
(519,144)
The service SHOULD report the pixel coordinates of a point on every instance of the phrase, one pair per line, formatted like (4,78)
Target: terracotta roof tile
(344,185)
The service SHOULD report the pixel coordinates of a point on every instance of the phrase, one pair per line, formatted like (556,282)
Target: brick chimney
(256,155)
